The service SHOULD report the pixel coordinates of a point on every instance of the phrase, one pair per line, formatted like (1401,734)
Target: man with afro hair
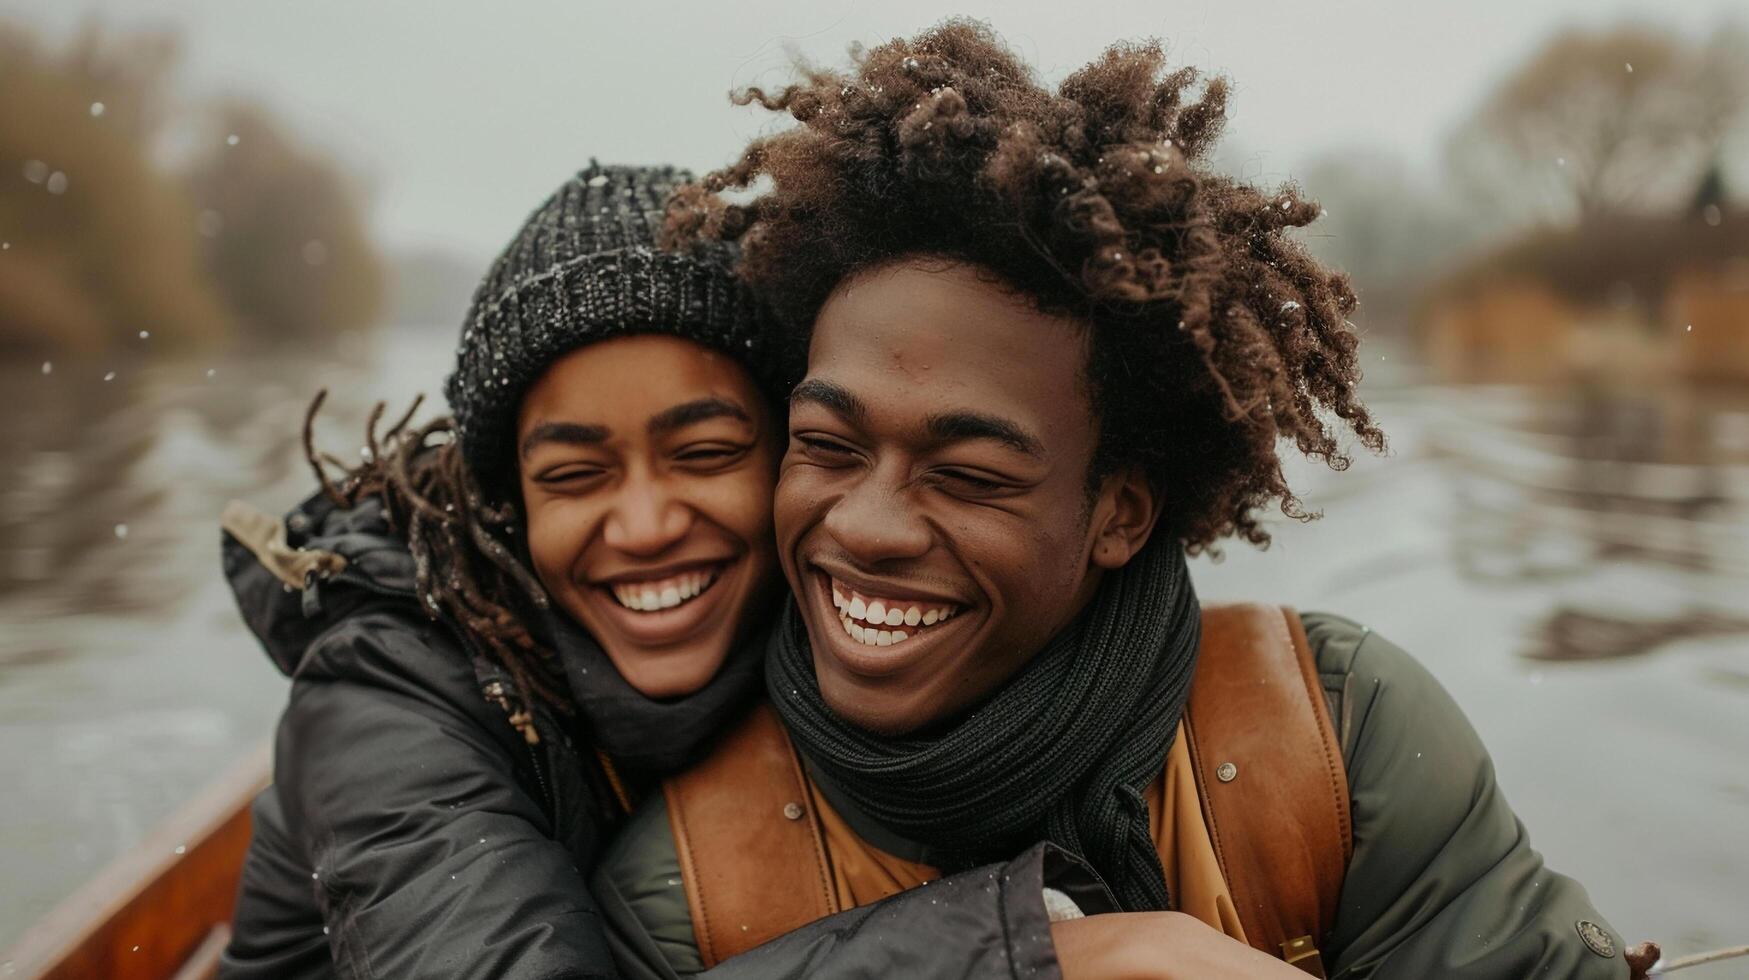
(1048,354)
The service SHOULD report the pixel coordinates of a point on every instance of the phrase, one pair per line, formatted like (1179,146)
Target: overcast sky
(463,116)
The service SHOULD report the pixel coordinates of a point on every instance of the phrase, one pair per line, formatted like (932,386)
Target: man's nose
(646,519)
(877,521)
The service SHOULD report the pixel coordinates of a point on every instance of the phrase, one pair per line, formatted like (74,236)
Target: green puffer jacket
(1443,882)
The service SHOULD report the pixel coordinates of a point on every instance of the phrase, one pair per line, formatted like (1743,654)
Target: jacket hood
(342,558)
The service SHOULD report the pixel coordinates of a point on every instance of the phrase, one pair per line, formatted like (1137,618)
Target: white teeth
(872,637)
(884,612)
(664,594)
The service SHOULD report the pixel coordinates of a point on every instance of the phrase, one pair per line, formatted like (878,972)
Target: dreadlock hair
(460,537)
(1213,334)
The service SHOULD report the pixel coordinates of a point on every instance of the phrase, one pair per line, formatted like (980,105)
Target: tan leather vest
(1250,813)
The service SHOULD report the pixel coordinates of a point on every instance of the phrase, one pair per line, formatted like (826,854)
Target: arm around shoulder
(429,857)
(989,922)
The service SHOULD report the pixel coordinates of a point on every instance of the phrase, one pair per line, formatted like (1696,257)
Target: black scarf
(642,733)
(1061,752)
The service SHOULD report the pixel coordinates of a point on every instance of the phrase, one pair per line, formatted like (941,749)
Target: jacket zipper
(534,750)
(540,777)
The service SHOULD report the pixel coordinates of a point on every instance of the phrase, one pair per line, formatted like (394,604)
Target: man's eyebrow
(698,410)
(829,396)
(962,426)
(568,433)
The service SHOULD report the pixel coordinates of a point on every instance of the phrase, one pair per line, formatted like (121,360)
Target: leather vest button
(1227,772)
(792,811)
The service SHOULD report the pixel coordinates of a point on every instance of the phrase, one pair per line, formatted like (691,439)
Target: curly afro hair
(1213,334)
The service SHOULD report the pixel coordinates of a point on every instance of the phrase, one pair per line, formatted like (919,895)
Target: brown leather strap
(755,865)
(1274,791)
(751,855)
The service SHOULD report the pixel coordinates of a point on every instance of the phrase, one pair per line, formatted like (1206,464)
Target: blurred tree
(101,243)
(131,74)
(1386,228)
(98,246)
(1597,122)
(286,238)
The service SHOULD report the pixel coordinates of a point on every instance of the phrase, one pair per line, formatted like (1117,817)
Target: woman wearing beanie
(502,628)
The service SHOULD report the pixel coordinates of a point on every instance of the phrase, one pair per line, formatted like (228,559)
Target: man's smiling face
(933,513)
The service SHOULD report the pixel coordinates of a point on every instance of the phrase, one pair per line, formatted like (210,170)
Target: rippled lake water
(1571,564)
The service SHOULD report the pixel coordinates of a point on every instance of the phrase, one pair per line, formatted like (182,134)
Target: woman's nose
(646,520)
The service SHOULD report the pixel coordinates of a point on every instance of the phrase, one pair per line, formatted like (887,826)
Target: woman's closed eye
(710,456)
(569,475)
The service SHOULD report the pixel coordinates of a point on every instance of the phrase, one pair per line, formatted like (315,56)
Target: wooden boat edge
(154,909)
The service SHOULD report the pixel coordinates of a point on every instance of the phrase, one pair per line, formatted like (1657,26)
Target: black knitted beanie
(584,268)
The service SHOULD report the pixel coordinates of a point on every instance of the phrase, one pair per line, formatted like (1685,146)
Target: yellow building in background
(1633,297)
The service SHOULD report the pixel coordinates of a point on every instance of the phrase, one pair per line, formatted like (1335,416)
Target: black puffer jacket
(411,831)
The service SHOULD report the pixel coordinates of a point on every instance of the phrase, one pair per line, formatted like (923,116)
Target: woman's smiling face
(647,465)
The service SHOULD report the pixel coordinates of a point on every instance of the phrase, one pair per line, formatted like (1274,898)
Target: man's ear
(1124,515)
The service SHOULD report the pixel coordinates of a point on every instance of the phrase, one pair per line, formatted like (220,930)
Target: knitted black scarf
(640,733)
(1061,752)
